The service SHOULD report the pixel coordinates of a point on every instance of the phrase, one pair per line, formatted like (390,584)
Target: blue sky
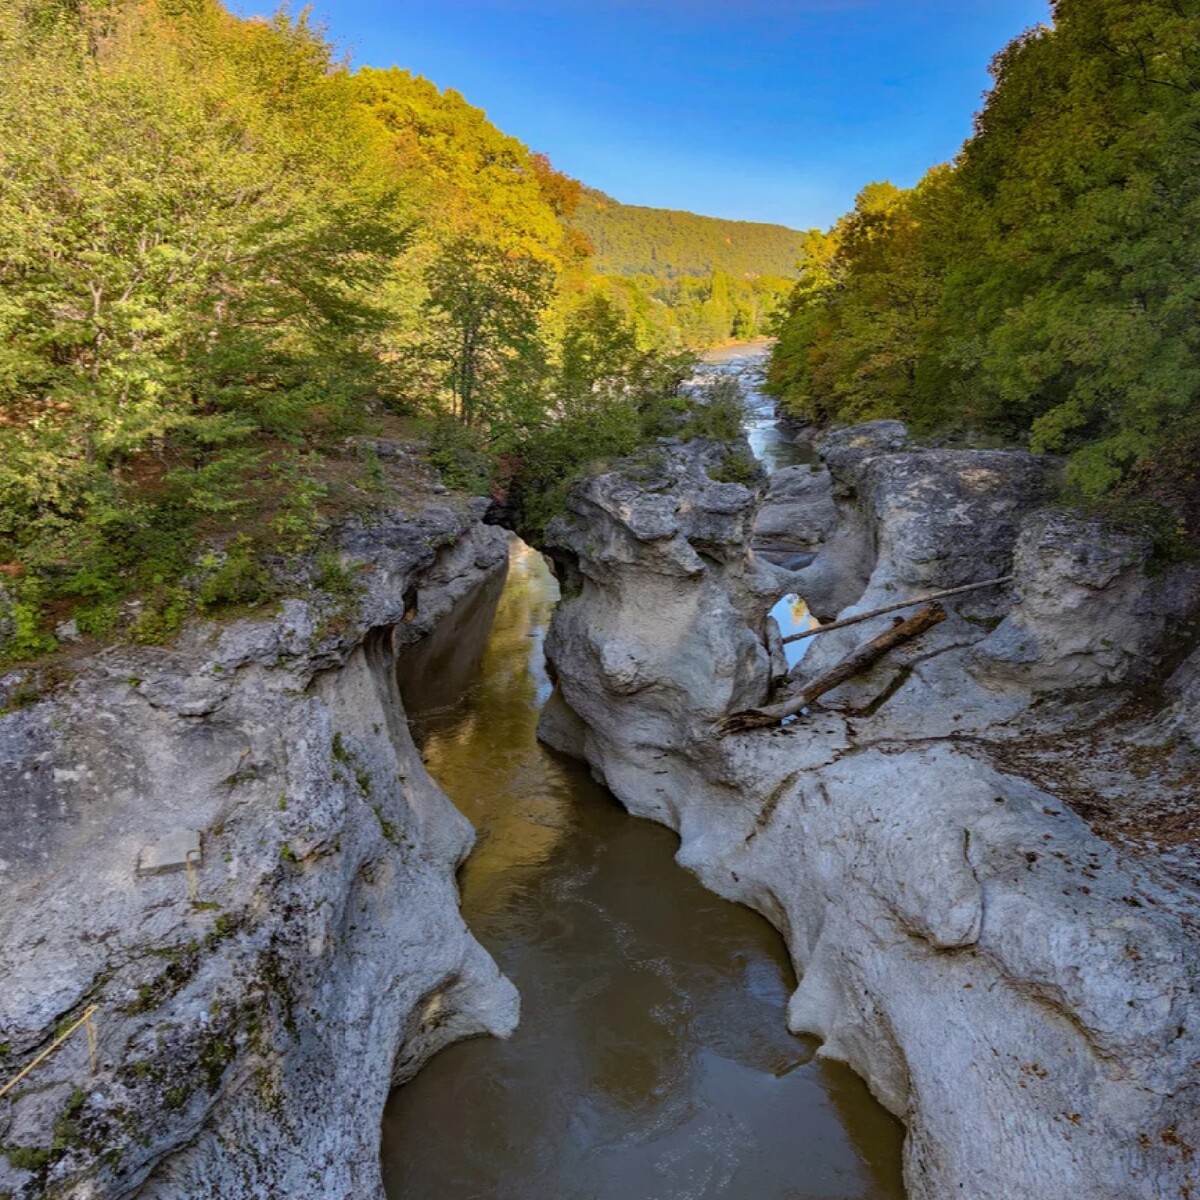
(773,110)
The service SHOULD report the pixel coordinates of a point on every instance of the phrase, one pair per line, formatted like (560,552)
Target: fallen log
(853,664)
(891,608)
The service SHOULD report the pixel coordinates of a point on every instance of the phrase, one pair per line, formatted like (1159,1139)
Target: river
(652,1061)
(773,445)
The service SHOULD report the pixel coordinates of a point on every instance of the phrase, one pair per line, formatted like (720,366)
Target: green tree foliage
(853,335)
(169,261)
(195,217)
(484,310)
(632,240)
(608,397)
(599,352)
(697,311)
(220,253)
(475,188)
(686,279)
(1046,287)
(468,178)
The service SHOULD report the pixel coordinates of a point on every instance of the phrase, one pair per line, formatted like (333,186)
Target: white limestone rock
(1088,609)
(249,1032)
(798,512)
(1022,995)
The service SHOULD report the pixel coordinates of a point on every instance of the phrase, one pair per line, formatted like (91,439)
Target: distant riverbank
(724,351)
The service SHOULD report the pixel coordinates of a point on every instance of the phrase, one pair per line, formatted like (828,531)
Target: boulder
(845,551)
(1183,690)
(1089,610)
(846,452)
(908,520)
(915,522)
(797,512)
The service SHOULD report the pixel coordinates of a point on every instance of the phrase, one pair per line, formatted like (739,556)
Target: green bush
(240,580)
(718,413)
(462,455)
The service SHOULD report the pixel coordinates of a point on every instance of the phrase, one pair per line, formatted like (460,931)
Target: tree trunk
(890,608)
(853,664)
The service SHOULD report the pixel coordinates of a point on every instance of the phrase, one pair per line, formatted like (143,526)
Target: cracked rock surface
(296,948)
(1017,983)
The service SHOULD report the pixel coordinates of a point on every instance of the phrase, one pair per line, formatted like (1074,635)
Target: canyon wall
(231,849)
(1020,991)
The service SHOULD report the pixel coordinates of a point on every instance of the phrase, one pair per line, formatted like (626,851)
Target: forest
(691,279)
(629,239)
(224,256)
(1041,289)
(224,253)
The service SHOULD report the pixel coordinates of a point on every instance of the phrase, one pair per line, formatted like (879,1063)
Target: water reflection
(793,616)
(652,1061)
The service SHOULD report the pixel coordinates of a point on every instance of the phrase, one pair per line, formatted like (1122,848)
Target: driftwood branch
(891,608)
(853,664)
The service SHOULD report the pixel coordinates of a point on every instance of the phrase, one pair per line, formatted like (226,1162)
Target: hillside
(632,240)
(223,257)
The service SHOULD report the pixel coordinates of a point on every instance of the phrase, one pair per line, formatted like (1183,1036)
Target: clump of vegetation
(608,396)
(462,455)
(241,579)
(719,412)
(67,1133)
(341,752)
(738,466)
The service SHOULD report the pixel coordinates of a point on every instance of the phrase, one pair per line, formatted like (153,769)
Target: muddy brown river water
(652,1061)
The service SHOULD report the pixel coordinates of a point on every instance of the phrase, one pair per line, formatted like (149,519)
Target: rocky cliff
(231,848)
(1016,982)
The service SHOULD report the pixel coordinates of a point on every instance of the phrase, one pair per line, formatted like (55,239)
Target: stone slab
(170,853)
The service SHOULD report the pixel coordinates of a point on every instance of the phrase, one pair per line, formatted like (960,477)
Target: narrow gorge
(236,857)
(1018,989)
(652,1057)
(515,689)
(230,853)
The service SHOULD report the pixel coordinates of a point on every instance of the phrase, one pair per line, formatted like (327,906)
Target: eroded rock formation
(231,847)
(1018,989)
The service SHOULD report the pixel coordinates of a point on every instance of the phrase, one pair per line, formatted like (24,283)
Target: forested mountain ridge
(684,279)
(630,239)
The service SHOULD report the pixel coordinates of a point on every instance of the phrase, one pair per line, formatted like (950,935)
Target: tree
(484,305)
(196,218)
(599,353)
(1078,283)
(1047,287)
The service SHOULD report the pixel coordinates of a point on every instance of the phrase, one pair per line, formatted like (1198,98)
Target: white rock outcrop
(1020,992)
(1088,610)
(297,949)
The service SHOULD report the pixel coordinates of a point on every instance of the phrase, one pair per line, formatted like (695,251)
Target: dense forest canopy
(1043,288)
(223,255)
(630,239)
(690,279)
